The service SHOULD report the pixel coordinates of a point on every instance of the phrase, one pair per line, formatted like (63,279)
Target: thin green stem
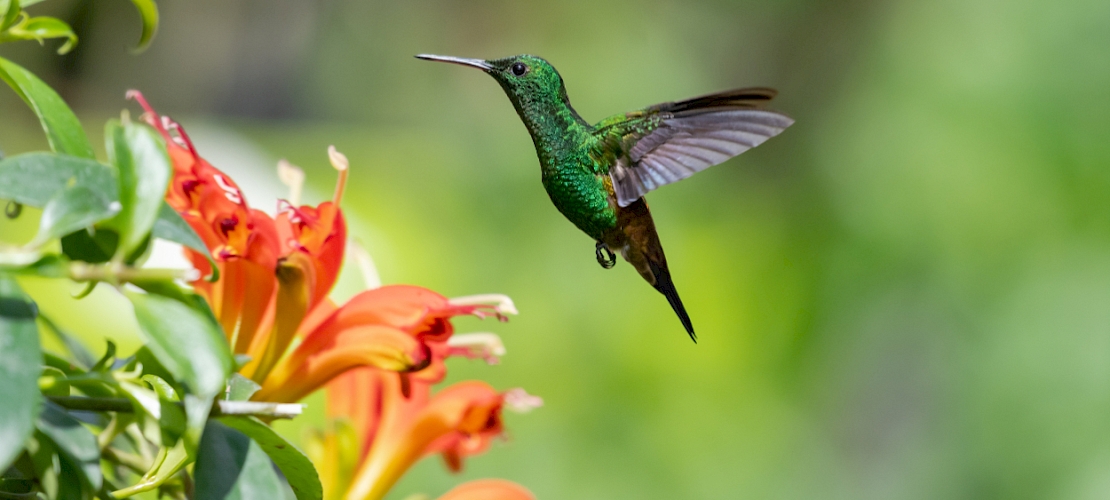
(220,409)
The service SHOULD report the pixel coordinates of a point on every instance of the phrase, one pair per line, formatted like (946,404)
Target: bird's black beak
(474,63)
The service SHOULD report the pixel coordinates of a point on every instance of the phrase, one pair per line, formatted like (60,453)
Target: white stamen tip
(293,177)
(501,303)
(338,160)
(518,400)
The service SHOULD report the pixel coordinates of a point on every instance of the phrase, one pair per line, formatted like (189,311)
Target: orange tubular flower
(376,432)
(275,274)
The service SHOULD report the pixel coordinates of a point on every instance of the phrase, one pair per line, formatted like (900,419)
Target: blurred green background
(905,295)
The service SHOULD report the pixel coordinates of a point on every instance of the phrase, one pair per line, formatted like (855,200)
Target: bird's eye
(519,69)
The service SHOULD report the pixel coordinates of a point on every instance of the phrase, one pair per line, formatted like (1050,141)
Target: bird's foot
(606,259)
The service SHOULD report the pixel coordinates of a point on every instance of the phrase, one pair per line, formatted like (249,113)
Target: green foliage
(233,467)
(63,130)
(33,178)
(189,343)
(148,10)
(144,416)
(71,209)
(75,445)
(143,171)
(294,464)
(39,29)
(20,364)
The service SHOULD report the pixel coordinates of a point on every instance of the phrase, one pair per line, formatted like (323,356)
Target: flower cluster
(378,354)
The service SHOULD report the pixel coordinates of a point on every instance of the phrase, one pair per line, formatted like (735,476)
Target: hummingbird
(597,175)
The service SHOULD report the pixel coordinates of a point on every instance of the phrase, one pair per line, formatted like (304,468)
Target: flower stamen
(340,163)
(501,303)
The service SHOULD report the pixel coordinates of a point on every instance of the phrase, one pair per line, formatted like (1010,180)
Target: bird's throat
(556,129)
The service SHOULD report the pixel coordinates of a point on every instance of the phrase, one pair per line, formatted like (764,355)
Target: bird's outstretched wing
(669,142)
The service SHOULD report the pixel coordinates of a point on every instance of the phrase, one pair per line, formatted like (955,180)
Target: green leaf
(230,466)
(168,463)
(39,29)
(47,266)
(171,227)
(148,10)
(63,130)
(161,387)
(94,248)
(75,444)
(188,343)
(151,366)
(240,388)
(144,170)
(107,360)
(71,209)
(10,10)
(53,382)
(33,178)
(294,464)
(77,350)
(20,365)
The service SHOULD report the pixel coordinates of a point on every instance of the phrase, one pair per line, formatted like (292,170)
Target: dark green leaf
(95,248)
(230,466)
(72,209)
(149,12)
(73,441)
(143,171)
(152,366)
(296,467)
(33,178)
(20,365)
(63,130)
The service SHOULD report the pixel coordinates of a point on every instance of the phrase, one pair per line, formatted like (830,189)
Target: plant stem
(115,272)
(220,409)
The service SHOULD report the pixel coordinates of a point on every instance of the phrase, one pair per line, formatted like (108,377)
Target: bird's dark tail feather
(665,286)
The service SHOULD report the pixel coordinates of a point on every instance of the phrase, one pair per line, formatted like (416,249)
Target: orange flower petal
(489,489)
(321,358)
(356,396)
(466,409)
(295,279)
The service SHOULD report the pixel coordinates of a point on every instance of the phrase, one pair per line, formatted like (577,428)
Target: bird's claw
(608,259)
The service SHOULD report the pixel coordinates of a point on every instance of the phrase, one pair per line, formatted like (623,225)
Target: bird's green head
(529,81)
